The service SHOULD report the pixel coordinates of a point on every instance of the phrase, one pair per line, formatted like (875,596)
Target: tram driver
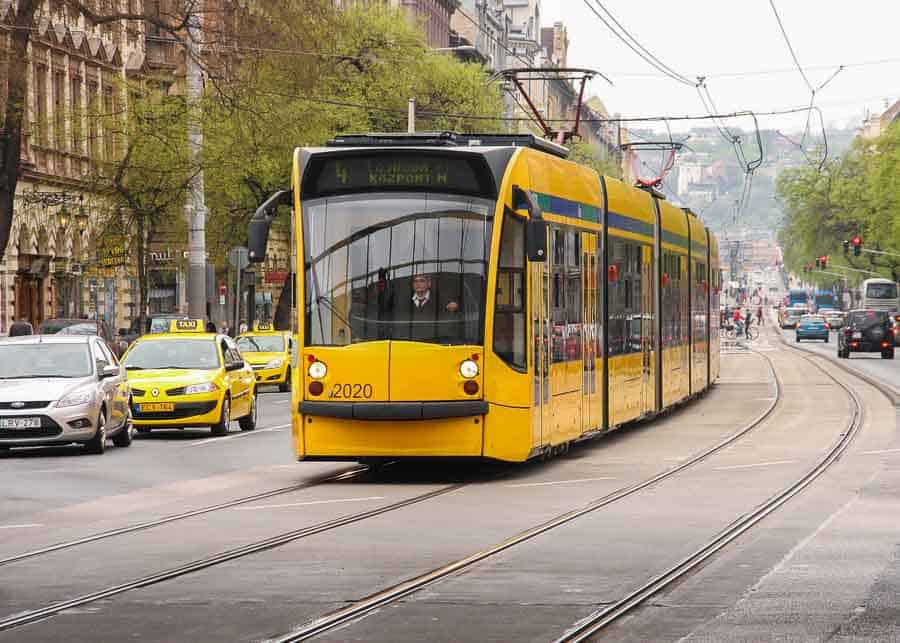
(430,317)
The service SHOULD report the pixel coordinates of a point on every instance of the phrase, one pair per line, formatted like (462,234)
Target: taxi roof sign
(264,327)
(187,326)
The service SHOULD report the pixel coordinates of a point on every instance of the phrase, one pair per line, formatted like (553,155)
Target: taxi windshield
(261,344)
(187,354)
(35,361)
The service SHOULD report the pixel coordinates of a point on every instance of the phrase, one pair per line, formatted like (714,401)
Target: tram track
(31,616)
(395,593)
(164,520)
(610,614)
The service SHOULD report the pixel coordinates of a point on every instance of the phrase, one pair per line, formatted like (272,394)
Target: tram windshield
(401,266)
(881,291)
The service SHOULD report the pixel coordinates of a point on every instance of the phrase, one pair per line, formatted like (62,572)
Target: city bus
(824,300)
(797,297)
(879,294)
(482,296)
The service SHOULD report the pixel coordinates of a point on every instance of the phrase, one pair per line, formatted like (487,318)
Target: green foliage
(278,99)
(592,157)
(857,194)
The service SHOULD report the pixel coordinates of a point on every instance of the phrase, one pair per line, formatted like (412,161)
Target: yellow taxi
(268,351)
(190,378)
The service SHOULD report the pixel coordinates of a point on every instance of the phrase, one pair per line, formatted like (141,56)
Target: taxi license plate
(157,407)
(857,335)
(20,423)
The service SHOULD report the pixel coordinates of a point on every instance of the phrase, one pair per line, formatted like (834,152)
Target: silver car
(61,390)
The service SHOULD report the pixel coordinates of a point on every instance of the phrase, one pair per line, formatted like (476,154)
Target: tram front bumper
(395,410)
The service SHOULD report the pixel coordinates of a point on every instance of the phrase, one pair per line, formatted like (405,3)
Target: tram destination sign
(388,171)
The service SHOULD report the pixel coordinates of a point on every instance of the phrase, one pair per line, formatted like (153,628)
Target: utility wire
(633,44)
(791,47)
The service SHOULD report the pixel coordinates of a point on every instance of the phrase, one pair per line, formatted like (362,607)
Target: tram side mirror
(536,228)
(261,221)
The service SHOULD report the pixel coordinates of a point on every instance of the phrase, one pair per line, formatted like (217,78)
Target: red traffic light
(856,241)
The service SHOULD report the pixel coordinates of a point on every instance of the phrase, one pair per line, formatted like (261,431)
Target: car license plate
(157,407)
(20,423)
(857,335)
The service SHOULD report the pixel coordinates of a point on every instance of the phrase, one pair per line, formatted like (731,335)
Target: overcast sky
(707,37)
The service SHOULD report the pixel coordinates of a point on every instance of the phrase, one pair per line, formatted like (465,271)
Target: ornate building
(76,68)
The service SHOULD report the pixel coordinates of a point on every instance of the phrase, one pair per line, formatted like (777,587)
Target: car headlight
(468,369)
(317,370)
(275,363)
(206,387)
(75,399)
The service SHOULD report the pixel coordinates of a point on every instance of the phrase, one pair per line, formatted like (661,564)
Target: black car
(867,331)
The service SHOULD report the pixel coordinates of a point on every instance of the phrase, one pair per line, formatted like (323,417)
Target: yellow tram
(482,296)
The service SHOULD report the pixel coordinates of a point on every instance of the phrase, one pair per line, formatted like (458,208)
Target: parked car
(867,331)
(62,389)
(812,327)
(81,327)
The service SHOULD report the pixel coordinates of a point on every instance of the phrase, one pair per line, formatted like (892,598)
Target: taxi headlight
(317,370)
(75,399)
(468,369)
(275,363)
(206,387)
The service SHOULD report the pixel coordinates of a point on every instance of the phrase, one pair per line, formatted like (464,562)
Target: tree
(144,191)
(592,157)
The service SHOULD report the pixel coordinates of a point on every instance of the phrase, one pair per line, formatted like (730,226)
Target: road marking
(880,451)
(23,526)
(758,464)
(243,434)
(309,503)
(544,484)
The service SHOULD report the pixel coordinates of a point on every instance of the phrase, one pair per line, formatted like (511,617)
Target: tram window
(559,247)
(509,318)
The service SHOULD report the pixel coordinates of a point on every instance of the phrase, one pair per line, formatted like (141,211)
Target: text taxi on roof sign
(190,378)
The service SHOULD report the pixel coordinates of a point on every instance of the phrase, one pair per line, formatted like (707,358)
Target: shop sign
(276,276)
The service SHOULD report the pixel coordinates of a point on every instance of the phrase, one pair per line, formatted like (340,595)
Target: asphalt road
(823,566)
(886,371)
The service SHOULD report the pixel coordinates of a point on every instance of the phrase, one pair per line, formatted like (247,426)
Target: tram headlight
(468,369)
(317,370)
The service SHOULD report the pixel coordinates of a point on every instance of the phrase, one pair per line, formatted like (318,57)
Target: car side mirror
(108,371)
(535,228)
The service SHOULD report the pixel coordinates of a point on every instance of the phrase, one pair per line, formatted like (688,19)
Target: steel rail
(31,616)
(600,619)
(149,524)
(370,604)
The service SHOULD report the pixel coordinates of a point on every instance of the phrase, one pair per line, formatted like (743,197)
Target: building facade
(432,16)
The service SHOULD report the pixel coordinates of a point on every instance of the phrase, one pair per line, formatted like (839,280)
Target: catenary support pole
(195,207)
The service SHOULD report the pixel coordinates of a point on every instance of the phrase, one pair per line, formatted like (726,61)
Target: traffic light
(857,245)
(846,247)
(818,263)
(823,260)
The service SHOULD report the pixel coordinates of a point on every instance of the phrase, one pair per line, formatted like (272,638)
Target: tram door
(648,384)
(539,303)
(591,414)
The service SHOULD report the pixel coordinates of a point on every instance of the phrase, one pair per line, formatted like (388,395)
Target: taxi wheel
(248,422)
(97,444)
(221,428)
(124,437)
(284,388)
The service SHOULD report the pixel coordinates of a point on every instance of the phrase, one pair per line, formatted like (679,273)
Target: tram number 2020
(351,391)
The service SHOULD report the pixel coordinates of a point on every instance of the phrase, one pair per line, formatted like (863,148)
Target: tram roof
(447,139)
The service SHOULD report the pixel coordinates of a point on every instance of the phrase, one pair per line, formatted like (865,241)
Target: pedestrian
(20,328)
(243,327)
(210,327)
(749,321)
(759,317)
